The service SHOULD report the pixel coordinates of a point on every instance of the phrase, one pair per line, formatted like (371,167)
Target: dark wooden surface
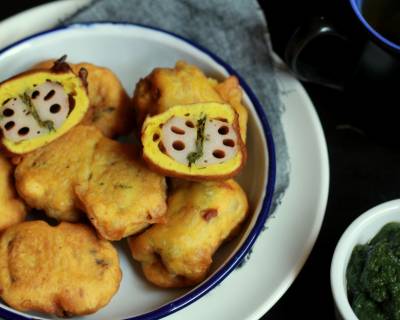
(361,128)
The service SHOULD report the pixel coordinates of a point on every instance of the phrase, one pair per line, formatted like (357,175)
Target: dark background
(361,127)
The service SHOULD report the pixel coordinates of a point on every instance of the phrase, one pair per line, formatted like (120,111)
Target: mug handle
(314,28)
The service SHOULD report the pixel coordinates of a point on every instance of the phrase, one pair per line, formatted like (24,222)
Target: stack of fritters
(201,215)
(85,170)
(98,189)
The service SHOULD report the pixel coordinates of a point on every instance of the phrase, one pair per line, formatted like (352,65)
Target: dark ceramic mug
(363,36)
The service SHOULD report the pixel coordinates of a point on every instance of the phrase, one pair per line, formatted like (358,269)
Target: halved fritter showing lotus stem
(38,106)
(196,141)
(164,88)
(111,107)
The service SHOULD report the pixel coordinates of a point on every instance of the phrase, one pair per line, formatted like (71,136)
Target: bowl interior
(132,52)
(363,229)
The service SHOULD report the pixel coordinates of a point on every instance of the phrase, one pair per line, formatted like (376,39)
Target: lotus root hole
(189,124)
(55,108)
(35,94)
(5,101)
(178,145)
(49,95)
(161,147)
(8,112)
(71,102)
(187,114)
(156,136)
(23,131)
(229,143)
(9,125)
(219,154)
(177,130)
(223,130)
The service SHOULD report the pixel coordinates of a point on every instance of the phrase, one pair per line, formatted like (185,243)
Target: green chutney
(373,276)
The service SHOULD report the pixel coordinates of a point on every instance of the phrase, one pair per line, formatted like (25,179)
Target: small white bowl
(360,231)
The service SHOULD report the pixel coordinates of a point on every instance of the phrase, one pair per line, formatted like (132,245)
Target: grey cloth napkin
(235,30)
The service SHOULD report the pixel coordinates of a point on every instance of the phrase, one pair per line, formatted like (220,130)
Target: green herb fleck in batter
(196,155)
(122,186)
(26,99)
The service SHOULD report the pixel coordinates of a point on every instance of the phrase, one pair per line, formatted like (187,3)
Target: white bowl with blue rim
(132,51)
(360,231)
(376,35)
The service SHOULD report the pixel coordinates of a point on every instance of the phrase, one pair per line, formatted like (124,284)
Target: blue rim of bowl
(355,4)
(240,254)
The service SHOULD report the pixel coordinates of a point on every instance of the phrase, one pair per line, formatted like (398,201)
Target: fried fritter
(164,88)
(230,92)
(200,216)
(118,193)
(64,270)
(12,208)
(196,142)
(110,106)
(39,106)
(45,178)
(122,196)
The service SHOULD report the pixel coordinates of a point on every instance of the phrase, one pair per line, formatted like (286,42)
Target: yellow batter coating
(200,216)
(122,196)
(164,88)
(64,270)
(46,177)
(38,131)
(110,106)
(12,209)
(161,162)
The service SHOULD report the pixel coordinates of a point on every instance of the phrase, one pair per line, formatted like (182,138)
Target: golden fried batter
(46,177)
(200,217)
(64,270)
(110,106)
(122,196)
(230,92)
(12,208)
(186,84)
(119,194)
